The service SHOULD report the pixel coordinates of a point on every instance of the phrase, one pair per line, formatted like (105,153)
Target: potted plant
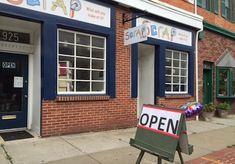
(222,109)
(208,111)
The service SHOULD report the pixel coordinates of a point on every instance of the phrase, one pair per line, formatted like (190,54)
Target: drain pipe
(196,56)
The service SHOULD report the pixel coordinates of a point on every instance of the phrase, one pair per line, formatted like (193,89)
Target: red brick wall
(207,15)
(211,49)
(175,101)
(79,115)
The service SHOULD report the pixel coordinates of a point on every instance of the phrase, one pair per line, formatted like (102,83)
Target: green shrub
(224,106)
(209,107)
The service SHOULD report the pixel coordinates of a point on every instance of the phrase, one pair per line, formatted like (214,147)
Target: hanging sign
(135,35)
(167,33)
(80,10)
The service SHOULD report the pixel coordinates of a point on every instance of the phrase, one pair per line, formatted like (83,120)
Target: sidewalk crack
(8,157)
(85,153)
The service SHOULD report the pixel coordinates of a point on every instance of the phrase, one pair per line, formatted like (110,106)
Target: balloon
(192,108)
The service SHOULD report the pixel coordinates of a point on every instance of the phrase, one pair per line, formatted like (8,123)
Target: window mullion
(75,63)
(91,63)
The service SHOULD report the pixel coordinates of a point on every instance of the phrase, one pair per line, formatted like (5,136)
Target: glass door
(13,91)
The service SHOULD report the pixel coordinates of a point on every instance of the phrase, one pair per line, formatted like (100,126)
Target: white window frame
(179,76)
(90,92)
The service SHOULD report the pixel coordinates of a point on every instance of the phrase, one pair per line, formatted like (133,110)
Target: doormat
(10,136)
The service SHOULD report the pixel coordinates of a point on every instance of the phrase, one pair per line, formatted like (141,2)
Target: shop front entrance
(13,91)
(146,58)
(207,83)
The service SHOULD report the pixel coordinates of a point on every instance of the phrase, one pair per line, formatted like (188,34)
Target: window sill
(81,98)
(178,96)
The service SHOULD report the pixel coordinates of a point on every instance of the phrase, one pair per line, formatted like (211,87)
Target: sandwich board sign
(161,132)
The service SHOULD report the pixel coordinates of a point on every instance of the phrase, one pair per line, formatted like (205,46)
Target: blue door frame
(13,91)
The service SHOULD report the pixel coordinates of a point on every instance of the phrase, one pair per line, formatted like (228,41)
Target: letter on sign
(160,120)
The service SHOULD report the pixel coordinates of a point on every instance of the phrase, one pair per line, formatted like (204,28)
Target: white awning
(164,10)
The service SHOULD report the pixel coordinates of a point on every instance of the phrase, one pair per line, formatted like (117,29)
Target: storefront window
(176,77)
(81,63)
(226,82)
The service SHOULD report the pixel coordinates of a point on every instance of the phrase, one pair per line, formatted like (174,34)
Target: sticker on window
(18,82)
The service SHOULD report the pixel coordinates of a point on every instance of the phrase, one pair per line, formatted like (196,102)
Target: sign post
(161,132)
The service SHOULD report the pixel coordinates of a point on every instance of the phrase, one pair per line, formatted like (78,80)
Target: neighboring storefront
(65,68)
(217,65)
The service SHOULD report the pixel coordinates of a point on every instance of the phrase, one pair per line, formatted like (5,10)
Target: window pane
(176,55)
(97,53)
(83,51)
(82,86)
(176,80)
(176,88)
(183,64)
(82,63)
(97,75)
(65,61)
(175,71)
(183,80)
(98,42)
(184,56)
(96,86)
(66,49)
(168,54)
(66,37)
(223,83)
(83,39)
(66,86)
(168,71)
(183,72)
(168,88)
(97,64)
(168,62)
(233,82)
(66,73)
(83,75)
(168,79)
(176,63)
(183,88)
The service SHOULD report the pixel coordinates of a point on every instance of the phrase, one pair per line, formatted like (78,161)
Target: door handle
(26,96)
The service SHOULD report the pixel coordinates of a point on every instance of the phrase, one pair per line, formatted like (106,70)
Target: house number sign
(12,36)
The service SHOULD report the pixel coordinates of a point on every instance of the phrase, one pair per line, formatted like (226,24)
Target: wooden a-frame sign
(161,132)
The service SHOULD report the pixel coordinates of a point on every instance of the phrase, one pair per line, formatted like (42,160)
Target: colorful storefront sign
(80,10)
(135,34)
(167,33)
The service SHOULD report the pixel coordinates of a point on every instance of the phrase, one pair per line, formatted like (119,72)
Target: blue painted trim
(134,70)
(49,61)
(50,23)
(134,67)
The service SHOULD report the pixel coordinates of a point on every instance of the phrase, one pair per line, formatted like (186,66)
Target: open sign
(160,120)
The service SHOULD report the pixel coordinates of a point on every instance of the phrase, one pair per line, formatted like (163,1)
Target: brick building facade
(218,40)
(75,73)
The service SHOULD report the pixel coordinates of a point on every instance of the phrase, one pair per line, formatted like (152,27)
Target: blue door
(13,91)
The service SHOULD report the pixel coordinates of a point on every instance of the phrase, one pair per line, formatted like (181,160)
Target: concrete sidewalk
(112,147)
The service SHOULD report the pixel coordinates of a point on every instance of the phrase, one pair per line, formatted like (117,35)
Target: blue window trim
(50,24)
(160,47)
